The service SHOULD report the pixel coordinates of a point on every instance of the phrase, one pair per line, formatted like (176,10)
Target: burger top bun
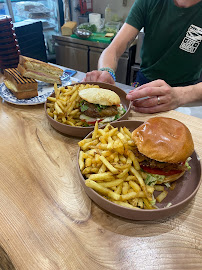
(164,139)
(100,96)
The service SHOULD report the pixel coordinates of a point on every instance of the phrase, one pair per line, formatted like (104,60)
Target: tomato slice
(159,171)
(91,122)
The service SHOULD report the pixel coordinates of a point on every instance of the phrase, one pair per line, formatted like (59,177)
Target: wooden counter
(48,221)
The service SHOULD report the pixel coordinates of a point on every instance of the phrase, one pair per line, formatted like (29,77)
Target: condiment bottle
(107,14)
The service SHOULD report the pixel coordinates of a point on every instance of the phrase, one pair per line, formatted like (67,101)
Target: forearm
(110,56)
(189,93)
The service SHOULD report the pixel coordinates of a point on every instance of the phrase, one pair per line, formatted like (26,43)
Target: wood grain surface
(48,222)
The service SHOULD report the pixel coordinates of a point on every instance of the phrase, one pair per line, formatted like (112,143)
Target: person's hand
(159,97)
(99,76)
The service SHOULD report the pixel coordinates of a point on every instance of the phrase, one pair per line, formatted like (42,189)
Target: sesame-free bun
(100,96)
(171,178)
(164,139)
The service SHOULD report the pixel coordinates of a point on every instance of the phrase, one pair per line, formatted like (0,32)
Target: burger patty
(95,111)
(151,163)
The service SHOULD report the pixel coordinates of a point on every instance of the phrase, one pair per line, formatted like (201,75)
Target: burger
(98,104)
(163,147)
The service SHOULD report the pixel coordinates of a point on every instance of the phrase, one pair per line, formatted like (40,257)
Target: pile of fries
(64,107)
(108,164)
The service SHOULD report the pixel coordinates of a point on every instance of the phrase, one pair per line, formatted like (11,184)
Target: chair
(31,39)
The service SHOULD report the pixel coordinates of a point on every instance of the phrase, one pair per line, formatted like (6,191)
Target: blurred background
(46,30)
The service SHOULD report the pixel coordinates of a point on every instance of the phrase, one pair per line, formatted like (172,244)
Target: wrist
(110,71)
(187,94)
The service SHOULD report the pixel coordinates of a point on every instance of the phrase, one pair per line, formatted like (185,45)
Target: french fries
(161,196)
(64,107)
(110,167)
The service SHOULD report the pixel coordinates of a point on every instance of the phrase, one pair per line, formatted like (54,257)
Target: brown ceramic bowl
(81,132)
(184,192)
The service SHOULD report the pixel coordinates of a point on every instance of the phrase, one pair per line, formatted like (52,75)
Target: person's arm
(191,93)
(123,40)
(110,56)
(162,97)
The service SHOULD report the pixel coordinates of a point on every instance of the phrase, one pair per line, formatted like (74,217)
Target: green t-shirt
(172,48)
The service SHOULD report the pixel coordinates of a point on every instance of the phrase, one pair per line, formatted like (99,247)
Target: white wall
(100,5)
(115,5)
(75,14)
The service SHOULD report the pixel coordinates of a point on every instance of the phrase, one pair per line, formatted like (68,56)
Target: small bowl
(81,132)
(83,33)
(185,189)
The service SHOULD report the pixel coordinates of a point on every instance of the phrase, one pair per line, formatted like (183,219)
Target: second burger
(163,148)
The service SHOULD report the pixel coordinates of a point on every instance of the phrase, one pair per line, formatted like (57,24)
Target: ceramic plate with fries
(112,178)
(62,107)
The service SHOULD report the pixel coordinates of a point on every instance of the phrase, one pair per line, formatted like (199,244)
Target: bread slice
(109,34)
(39,70)
(68,28)
(20,86)
(100,96)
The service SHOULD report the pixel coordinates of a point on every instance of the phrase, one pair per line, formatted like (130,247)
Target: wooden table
(48,222)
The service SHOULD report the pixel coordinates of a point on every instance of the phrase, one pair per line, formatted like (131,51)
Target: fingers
(146,92)
(92,76)
(106,77)
(154,88)
(154,109)
(156,83)
(153,105)
(148,102)
(156,96)
(99,76)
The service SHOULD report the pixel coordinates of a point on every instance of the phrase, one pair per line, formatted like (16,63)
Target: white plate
(44,90)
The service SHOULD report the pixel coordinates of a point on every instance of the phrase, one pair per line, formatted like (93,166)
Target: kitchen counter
(194,109)
(80,41)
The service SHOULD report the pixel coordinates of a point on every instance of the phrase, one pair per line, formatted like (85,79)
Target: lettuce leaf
(101,107)
(83,106)
(152,179)
(187,163)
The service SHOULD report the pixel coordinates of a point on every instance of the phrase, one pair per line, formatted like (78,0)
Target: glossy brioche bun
(100,96)
(164,139)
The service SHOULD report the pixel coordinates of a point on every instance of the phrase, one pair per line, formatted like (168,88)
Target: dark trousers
(140,79)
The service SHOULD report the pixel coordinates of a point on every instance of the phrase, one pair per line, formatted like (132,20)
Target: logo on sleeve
(192,39)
